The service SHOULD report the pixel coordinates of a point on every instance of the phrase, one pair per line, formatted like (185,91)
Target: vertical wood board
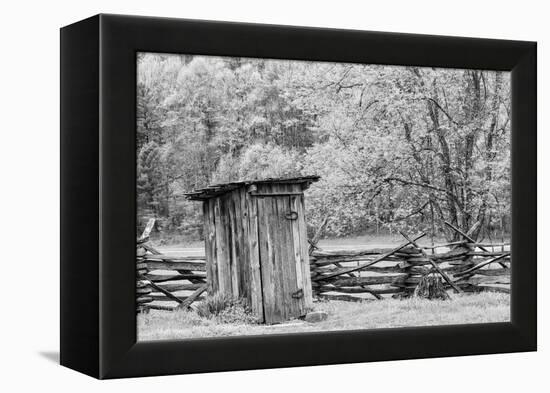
(207,246)
(222,252)
(254,257)
(265,253)
(306,272)
(233,244)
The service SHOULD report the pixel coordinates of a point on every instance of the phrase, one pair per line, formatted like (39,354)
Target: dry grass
(388,313)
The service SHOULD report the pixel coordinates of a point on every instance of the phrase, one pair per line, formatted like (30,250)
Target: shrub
(213,305)
(225,309)
(237,313)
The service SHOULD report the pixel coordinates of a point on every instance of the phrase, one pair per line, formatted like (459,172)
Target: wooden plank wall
(254,252)
(266,255)
(298,203)
(232,248)
(283,256)
(210,246)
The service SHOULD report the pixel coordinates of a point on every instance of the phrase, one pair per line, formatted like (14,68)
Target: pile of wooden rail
(464,266)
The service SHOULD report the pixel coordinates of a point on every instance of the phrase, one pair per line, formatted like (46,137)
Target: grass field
(372,314)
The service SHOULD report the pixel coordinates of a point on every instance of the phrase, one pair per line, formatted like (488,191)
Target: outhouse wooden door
(283,256)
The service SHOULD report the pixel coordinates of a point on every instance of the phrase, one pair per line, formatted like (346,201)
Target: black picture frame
(98,204)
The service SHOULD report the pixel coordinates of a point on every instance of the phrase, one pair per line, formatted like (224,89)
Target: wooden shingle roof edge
(215,190)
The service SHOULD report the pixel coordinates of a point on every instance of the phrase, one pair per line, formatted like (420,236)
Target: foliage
(259,161)
(398,147)
(151,180)
(431,287)
(225,309)
(214,304)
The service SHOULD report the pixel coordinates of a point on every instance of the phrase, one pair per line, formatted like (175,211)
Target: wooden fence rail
(159,277)
(396,274)
(399,273)
(169,282)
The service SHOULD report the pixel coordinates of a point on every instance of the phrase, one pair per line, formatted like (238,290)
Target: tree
(394,146)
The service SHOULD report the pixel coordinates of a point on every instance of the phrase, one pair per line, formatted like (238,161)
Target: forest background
(396,147)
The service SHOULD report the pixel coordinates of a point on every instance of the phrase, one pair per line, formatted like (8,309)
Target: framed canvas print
(298,196)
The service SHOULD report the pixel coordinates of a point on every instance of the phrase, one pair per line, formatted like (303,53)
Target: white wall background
(29,193)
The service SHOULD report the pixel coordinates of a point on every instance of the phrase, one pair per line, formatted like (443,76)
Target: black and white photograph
(290,196)
(283,196)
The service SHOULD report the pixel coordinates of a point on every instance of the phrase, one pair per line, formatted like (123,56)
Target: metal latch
(298,294)
(291,215)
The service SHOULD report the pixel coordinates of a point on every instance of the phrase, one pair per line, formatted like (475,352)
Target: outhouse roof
(215,190)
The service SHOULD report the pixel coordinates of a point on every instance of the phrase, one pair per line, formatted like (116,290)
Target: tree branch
(442,110)
(413,183)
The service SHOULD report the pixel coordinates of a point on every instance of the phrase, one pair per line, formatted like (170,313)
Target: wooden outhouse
(256,244)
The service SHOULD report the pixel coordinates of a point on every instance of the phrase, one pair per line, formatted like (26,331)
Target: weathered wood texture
(398,277)
(284,263)
(403,271)
(256,246)
(154,284)
(250,216)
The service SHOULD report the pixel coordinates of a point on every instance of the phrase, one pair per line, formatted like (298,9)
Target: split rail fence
(167,282)
(162,278)
(464,266)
